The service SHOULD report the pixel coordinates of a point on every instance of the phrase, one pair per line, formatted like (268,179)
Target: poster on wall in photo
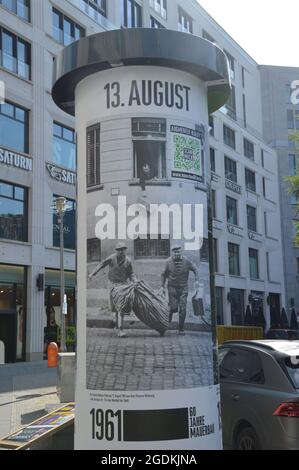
(188,146)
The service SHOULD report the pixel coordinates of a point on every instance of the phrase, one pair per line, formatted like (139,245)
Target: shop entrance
(52,319)
(8,334)
(13,311)
(274,300)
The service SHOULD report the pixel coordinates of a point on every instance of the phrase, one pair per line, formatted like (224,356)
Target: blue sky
(267,29)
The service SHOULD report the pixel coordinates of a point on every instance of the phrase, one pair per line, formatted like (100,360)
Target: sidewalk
(25,390)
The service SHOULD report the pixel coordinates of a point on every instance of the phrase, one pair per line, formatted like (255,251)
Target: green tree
(294,183)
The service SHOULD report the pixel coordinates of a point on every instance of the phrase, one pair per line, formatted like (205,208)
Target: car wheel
(247,440)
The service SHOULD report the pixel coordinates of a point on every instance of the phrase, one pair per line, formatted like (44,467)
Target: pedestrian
(176,272)
(120,273)
(145,176)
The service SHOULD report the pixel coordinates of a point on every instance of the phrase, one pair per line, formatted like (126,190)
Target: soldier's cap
(121,246)
(176,247)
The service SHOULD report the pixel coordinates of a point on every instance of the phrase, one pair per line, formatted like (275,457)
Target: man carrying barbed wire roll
(177,271)
(120,273)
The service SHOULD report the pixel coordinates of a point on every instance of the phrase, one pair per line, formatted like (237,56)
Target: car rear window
(240,365)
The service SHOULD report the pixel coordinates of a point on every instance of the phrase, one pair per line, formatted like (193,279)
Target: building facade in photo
(38,163)
(280,120)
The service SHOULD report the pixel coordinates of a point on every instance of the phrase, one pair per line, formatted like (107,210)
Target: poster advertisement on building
(147,374)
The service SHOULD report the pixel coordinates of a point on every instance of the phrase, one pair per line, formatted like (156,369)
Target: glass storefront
(69,225)
(13,311)
(52,316)
(237,306)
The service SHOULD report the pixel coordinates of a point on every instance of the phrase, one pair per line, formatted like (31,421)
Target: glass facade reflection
(21,8)
(64,150)
(52,315)
(15,54)
(69,225)
(14,127)
(13,212)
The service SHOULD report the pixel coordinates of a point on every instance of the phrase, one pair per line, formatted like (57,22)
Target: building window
(18,7)
(13,281)
(234,259)
(266,223)
(264,186)
(211,125)
(69,225)
(14,128)
(231,62)
(243,77)
(248,149)
(230,169)
(215,253)
(237,307)
(219,305)
(207,36)
(15,54)
(292,164)
(204,251)
(232,210)
(64,141)
(93,250)
(254,263)
(229,137)
(212,159)
(132,14)
(96,9)
(185,22)
(244,111)
(13,212)
(155,23)
(293,119)
(214,205)
(52,315)
(268,266)
(65,30)
(152,248)
(93,164)
(250,180)
(149,147)
(290,119)
(230,107)
(160,7)
(251,218)
(263,158)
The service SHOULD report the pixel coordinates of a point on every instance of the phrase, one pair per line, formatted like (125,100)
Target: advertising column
(147,373)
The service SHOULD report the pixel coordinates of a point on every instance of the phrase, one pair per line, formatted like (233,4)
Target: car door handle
(235,397)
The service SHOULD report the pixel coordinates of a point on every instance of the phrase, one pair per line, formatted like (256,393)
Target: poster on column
(147,377)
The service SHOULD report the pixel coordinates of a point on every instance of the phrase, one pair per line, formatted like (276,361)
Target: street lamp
(60,206)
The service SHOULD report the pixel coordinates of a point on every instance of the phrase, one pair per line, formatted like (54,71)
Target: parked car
(260,394)
(283,334)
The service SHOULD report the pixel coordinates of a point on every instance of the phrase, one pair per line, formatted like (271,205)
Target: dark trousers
(178,303)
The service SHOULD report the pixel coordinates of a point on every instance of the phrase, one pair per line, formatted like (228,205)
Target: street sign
(40,430)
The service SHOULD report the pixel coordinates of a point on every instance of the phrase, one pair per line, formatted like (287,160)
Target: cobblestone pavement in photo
(145,361)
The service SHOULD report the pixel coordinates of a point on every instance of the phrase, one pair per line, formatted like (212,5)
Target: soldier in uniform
(120,272)
(177,271)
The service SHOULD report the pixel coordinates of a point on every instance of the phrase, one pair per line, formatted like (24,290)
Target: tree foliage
(294,184)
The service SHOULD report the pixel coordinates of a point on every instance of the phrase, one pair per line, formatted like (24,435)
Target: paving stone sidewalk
(25,390)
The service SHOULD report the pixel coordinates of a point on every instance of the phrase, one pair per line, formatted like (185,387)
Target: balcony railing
(93,11)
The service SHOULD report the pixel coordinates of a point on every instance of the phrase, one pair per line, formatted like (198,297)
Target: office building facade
(38,163)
